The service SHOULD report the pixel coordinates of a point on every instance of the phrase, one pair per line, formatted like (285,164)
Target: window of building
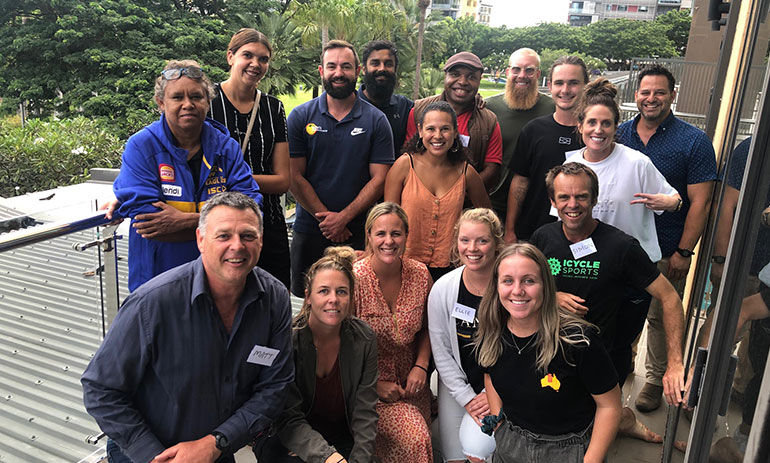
(614,8)
(642,9)
(622,7)
(608,7)
(633,8)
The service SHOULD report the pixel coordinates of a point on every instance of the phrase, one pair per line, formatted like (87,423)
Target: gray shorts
(517,445)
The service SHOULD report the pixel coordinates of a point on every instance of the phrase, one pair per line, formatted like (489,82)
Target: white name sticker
(172,190)
(262,355)
(583,248)
(464,313)
(465,139)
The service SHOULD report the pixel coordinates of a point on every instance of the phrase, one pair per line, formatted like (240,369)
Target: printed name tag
(583,248)
(465,139)
(262,355)
(464,313)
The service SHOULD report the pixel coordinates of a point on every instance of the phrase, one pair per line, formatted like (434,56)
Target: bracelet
(341,460)
(421,368)
(678,205)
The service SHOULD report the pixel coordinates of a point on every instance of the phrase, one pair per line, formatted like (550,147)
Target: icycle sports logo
(555,266)
(571,268)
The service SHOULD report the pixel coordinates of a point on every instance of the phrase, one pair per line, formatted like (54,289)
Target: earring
(420,145)
(455,146)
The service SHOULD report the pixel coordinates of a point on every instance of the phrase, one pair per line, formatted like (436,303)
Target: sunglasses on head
(174,74)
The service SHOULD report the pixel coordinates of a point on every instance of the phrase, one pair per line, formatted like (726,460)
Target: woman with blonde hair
(452,306)
(548,378)
(391,293)
(329,414)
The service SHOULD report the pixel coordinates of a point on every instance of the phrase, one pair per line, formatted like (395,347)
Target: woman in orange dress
(390,295)
(431,183)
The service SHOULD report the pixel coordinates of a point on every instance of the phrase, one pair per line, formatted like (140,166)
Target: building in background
(583,12)
(450,8)
(485,12)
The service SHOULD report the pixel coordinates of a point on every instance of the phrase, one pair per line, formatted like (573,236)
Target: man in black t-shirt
(541,145)
(593,263)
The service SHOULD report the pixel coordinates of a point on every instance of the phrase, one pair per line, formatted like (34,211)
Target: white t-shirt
(622,174)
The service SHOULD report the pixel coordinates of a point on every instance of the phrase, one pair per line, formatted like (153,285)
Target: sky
(517,13)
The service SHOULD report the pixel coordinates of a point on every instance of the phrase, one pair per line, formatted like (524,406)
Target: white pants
(460,435)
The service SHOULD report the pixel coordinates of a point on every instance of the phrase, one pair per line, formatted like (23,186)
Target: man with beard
(341,149)
(541,146)
(380,64)
(478,127)
(685,156)
(520,103)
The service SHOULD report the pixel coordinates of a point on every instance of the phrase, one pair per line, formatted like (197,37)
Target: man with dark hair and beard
(379,66)
(478,127)
(519,104)
(340,150)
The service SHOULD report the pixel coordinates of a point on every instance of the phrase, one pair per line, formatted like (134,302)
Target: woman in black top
(266,149)
(547,373)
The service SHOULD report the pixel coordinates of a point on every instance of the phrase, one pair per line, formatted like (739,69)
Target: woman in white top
(631,189)
(452,323)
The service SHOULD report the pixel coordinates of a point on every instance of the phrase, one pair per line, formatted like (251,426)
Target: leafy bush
(46,154)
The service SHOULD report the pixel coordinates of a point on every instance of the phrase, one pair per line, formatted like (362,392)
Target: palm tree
(423,5)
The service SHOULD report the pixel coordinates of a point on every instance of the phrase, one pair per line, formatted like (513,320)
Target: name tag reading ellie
(465,139)
(583,248)
(262,355)
(464,313)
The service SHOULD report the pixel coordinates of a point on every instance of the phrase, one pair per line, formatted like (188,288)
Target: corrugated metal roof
(50,325)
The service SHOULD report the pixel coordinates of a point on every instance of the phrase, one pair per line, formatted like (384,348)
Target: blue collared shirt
(685,156)
(397,112)
(168,371)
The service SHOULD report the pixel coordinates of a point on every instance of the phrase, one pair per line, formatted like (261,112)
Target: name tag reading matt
(465,139)
(262,355)
(464,313)
(583,248)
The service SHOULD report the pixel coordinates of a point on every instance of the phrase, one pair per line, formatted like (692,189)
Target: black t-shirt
(559,401)
(599,278)
(541,146)
(268,129)
(465,332)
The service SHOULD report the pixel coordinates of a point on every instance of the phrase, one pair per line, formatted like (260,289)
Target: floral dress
(403,430)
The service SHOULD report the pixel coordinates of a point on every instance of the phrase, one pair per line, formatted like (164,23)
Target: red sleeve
(411,127)
(495,147)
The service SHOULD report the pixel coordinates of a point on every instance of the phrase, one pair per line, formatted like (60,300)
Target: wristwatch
(718,259)
(685,252)
(222,442)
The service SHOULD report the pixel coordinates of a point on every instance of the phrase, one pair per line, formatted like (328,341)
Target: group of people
(519,245)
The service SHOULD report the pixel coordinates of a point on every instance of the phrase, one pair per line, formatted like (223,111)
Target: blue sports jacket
(153,169)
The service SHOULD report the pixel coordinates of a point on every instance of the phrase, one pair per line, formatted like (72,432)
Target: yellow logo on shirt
(550,380)
(311,129)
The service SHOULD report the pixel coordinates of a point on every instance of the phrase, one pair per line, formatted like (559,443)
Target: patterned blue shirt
(685,156)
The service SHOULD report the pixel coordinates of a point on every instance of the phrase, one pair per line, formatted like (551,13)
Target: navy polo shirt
(338,154)
(397,112)
(685,156)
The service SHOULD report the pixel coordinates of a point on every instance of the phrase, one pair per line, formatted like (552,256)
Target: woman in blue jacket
(170,168)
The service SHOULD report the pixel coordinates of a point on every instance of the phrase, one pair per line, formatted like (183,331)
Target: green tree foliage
(677,25)
(548,56)
(617,41)
(43,155)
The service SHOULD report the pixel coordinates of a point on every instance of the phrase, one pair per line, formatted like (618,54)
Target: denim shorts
(517,445)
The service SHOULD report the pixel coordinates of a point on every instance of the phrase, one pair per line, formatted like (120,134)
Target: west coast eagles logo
(313,129)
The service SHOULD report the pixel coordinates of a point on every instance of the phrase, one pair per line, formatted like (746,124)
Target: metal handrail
(36,234)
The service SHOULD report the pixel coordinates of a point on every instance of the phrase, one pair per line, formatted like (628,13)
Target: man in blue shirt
(196,363)
(340,150)
(380,64)
(685,157)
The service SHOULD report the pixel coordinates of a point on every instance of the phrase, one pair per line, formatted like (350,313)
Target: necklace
(516,346)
